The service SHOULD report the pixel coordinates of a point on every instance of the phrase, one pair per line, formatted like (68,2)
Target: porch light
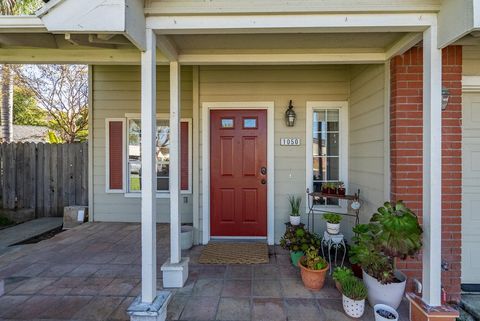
(445,98)
(290,115)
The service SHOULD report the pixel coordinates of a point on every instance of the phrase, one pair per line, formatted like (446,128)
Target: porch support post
(175,270)
(432,167)
(150,305)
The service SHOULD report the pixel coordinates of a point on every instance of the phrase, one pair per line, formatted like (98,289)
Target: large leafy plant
(297,238)
(393,232)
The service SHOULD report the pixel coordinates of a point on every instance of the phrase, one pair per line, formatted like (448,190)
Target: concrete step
(27,230)
(470,303)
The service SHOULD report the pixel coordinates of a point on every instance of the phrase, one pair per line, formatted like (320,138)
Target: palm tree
(11,7)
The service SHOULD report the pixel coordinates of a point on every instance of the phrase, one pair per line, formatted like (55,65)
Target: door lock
(263,181)
(263,170)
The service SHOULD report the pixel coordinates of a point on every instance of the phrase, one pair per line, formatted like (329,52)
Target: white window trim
(161,194)
(107,156)
(342,106)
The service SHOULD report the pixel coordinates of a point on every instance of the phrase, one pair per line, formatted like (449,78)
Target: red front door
(238,172)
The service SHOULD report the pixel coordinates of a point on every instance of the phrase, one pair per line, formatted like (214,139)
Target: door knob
(263,170)
(263,181)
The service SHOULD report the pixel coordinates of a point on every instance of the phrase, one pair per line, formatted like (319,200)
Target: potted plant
(313,269)
(295,202)
(385,313)
(354,294)
(341,274)
(341,189)
(333,222)
(297,240)
(325,188)
(393,232)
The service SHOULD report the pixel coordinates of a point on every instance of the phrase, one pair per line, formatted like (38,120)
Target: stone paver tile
(176,306)
(265,271)
(33,270)
(58,270)
(239,272)
(331,309)
(120,313)
(124,259)
(208,287)
(329,291)
(120,286)
(9,302)
(294,288)
(12,283)
(283,259)
(234,309)
(65,307)
(200,308)
(85,270)
(187,288)
(33,307)
(268,309)
(110,270)
(98,309)
(212,272)
(302,310)
(237,288)
(267,288)
(69,281)
(33,285)
(101,258)
(91,286)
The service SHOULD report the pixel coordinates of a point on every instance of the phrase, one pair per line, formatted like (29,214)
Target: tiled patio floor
(93,273)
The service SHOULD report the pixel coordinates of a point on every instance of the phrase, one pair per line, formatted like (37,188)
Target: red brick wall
(406,153)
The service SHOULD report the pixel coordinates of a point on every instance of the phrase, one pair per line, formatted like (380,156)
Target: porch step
(470,304)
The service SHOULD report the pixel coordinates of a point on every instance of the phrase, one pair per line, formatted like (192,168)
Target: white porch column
(175,270)
(432,167)
(151,304)
(149,133)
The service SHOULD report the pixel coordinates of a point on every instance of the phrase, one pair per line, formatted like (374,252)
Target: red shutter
(115,149)
(184,156)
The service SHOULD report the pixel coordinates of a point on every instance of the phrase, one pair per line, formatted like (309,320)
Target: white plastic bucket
(186,237)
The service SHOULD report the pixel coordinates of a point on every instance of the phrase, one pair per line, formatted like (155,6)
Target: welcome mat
(234,253)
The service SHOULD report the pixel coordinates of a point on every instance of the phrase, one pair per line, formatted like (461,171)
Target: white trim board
(470,84)
(342,106)
(206,107)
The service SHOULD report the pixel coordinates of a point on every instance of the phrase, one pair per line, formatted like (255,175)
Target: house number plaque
(289,141)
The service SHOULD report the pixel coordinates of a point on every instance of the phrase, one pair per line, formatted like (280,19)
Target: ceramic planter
(312,279)
(331,190)
(353,308)
(295,257)
(341,191)
(389,294)
(186,237)
(294,220)
(391,311)
(333,228)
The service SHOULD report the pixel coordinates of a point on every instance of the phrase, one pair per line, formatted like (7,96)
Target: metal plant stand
(336,242)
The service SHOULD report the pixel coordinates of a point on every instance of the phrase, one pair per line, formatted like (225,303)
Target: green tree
(25,108)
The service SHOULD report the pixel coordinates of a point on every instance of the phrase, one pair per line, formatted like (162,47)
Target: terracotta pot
(312,279)
(332,190)
(341,191)
(324,190)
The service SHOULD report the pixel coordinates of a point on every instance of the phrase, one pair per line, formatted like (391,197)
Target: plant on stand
(333,222)
(295,202)
(354,294)
(313,269)
(393,232)
(297,240)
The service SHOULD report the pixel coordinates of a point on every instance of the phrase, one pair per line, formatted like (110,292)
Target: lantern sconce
(290,115)
(445,98)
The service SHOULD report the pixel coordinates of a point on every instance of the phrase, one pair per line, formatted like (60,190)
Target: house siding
(367,136)
(116,91)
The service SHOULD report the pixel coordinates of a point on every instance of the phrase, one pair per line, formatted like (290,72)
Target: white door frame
(206,108)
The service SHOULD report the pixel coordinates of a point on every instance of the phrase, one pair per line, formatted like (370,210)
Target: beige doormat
(234,253)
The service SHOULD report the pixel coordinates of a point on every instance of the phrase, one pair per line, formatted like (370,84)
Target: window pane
(134,140)
(333,119)
(134,171)
(249,123)
(319,168)
(227,123)
(333,144)
(162,183)
(332,169)
(319,144)
(319,118)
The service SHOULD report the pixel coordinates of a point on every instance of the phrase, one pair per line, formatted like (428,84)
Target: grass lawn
(134,183)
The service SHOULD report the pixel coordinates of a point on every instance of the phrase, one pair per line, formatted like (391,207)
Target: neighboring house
(31,134)
(367,79)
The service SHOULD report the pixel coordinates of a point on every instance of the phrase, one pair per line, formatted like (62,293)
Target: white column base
(175,274)
(155,311)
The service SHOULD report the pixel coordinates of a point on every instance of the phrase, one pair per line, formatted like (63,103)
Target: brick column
(406,154)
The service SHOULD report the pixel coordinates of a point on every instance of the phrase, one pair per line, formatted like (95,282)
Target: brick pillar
(406,123)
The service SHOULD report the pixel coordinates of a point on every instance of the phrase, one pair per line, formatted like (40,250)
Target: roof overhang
(457,19)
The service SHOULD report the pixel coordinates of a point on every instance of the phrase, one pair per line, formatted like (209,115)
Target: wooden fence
(44,177)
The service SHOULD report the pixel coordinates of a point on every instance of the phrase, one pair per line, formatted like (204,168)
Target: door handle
(263,170)
(263,181)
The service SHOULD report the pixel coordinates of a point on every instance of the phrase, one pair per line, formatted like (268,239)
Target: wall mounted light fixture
(445,98)
(290,115)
